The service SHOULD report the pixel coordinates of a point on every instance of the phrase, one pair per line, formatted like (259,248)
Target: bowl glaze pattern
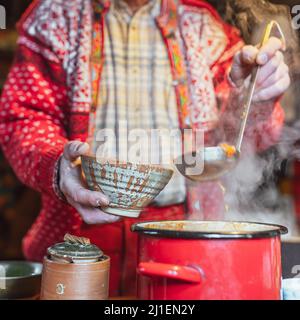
(130,187)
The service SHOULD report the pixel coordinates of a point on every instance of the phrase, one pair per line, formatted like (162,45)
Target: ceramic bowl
(130,187)
(20,279)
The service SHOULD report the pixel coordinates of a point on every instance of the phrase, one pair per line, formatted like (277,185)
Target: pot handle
(170,271)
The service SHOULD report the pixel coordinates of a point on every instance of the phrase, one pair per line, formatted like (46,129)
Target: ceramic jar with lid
(75,270)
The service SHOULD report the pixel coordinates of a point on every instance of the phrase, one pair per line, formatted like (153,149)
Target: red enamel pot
(209,260)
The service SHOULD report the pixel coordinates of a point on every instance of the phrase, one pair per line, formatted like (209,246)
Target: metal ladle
(216,161)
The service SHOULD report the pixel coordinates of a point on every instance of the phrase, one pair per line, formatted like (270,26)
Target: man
(152,63)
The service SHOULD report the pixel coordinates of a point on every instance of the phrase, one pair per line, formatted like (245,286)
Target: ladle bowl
(215,164)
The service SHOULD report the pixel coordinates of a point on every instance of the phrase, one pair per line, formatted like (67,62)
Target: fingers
(86,197)
(94,215)
(252,55)
(74,149)
(267,51)
(239,71)
(273,91)
(85,201)
(249,56)
(71,183)
(274,65)
(273,78)
(267,78)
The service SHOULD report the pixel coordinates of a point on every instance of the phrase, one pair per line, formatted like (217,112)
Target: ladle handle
(246,107)
(252,84)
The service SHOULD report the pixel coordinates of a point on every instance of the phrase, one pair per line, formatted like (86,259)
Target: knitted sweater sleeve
(34,106)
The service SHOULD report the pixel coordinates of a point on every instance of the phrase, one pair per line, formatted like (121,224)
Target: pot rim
(185,234)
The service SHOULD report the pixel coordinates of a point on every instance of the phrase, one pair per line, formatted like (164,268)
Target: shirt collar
(153,7)
(166,18)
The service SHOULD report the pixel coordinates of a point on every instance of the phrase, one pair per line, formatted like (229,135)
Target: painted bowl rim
(116,163)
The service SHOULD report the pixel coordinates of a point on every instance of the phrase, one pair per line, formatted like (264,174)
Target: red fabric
(296,189)
(36,121)
(297,168)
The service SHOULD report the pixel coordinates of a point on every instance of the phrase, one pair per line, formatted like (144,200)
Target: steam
(251,191)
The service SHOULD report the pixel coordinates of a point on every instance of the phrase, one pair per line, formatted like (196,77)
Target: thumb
(242,64)
(74,149)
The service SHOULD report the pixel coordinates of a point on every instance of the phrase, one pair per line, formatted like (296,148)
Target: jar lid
(75,250)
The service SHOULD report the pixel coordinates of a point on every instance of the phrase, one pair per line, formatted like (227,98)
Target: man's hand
(273,77)
(85,201)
